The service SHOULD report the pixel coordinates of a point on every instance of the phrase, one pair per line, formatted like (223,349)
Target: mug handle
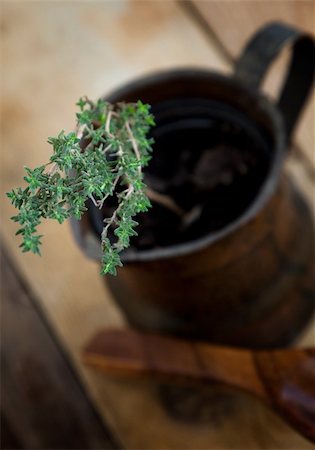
(259,53)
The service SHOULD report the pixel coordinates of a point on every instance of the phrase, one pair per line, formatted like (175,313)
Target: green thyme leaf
(116,148)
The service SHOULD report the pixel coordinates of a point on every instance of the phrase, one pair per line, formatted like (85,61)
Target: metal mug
(251,282)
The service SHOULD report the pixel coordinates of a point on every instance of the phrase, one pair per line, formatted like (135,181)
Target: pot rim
(268,187)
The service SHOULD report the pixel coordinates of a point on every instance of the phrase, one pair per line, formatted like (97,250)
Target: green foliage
(116,150)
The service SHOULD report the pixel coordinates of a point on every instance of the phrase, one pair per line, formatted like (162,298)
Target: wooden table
(53,53)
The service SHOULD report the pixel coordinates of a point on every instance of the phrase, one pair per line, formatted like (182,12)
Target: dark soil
(213,171)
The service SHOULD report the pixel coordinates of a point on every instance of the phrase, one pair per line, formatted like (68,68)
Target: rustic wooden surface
(54,52)
(42,404)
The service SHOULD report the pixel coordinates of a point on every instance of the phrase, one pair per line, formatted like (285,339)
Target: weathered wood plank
(233,22)
(55,52)
(241,19)
(42,401)
(9,440)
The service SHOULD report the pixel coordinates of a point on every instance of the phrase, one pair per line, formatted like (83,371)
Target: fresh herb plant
(116,149)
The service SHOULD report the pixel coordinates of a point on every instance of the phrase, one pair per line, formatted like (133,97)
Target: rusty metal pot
(250,282)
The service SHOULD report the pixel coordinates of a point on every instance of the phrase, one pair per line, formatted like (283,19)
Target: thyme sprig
(116,149)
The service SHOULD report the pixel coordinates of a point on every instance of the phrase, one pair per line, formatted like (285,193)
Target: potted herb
(213,258)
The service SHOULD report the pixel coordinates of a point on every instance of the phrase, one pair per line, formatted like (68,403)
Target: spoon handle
(123,352)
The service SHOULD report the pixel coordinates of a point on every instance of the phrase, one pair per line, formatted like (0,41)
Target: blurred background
(54,52)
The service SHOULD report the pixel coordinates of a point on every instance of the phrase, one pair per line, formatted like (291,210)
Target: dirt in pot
(204,174)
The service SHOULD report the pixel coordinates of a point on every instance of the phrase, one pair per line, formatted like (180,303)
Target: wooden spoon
(284,379)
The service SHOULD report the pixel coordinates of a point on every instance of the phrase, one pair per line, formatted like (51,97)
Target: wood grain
(42,402)
(53,53)
(232,23)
